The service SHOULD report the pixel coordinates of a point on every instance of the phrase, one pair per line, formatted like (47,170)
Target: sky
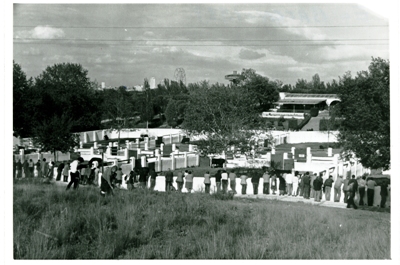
(122,44)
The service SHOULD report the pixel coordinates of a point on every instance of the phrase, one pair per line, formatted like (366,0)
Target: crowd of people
(308,186)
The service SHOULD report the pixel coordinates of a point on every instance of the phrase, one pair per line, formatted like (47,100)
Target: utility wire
(201,27)
(180,40)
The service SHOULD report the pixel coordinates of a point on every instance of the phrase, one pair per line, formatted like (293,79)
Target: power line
(180,40)
(202,27)
(220,45)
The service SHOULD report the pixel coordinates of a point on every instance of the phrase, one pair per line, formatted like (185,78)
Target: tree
(175,111)
(54,134)
(117,109)
(365,110)
(261,88)
(23,99)
(146,104)
(66,89)
(223,115)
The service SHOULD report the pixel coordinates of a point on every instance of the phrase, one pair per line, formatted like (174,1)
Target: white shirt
(295,180)
(289,178)
(224,176)
(74,166)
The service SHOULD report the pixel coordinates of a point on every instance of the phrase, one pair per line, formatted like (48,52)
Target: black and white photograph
(201,131)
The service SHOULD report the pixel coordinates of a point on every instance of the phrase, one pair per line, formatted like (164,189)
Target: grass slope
(50,223)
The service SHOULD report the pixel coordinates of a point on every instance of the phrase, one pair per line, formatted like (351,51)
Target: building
(293,102)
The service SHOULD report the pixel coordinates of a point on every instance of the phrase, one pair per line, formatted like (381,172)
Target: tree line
(62,100)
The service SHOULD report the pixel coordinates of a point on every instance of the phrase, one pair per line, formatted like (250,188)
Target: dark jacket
(218,176)
(306,180)
(355,185)
(256,178)
(317,183)
(328,182)
(169,177)
(282,183)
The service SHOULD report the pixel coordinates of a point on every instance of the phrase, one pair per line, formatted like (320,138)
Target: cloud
(250,55)
(40,32)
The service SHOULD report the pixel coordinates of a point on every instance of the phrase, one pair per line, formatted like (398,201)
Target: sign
(301,155)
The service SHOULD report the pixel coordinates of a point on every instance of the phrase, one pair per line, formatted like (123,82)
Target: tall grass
(50,223)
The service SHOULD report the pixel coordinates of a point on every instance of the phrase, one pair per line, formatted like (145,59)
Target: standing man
(328,187)
(371,191)
(169,178)
(218,180)
(384,194)
(66,172)
(351,188)
(243,182)
(266,178)
(295,181)
(289,183)
(313,177)
(317,184)
(25,165)
(179,181)
(361,190)
(273,183)
(255,180)
(45,168)
(153,176)
(105,186)
(232,180)
(306,180)
(19,169)
(346,188)
(189,182)
(75,175)
(59,171)
(39,168)
(224,178)
(207,182)
(142,178)
(338,189)
(30,168)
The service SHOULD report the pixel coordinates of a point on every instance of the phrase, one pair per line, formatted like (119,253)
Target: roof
(300,95)
(295,101)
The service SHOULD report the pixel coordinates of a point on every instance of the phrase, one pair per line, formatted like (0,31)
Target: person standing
(153,177)
(65,172)
(243,182)
(189,182)
(312,191)
(371,191)
(328,187)
(75,174)
(266,177)
(169,178)
(317,184)
(273,183)
(346,188)
(282,184)
(295,181)
(384,194)
(361,190)
(59,171)
(351,188)
(50,172)
(130,180)
(255,180)
(306,180)
(96,172)
(207,182)
(45,168)
(30,168)
(179,181)
(19,169)
(224,179)
(218,180)
(232,180)
(300,185)
(289,183)
(338,189)
(143,178)
(105,187)
(25,165)
(39,168)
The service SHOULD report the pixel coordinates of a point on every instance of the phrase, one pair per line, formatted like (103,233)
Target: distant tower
(180,75)
(234,78)
(152,83)
(103,85)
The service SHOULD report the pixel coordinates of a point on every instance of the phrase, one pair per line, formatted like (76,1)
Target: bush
(292,124)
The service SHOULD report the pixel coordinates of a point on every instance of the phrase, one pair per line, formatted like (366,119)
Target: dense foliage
(365,114)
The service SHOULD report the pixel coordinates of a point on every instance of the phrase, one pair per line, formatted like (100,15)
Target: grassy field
(50,223)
